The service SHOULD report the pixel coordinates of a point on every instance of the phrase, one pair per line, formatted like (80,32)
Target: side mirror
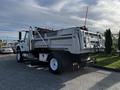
(20,35)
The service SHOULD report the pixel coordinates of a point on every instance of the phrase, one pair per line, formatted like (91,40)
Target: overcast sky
(16,15)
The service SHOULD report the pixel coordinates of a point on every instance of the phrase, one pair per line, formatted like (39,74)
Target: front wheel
(19,57)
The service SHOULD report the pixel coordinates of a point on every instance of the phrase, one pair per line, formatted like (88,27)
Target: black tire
(19,56)
(62,61)
(56,69)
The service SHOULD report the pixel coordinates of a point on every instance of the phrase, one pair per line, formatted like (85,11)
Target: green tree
(108,41)
(119,42)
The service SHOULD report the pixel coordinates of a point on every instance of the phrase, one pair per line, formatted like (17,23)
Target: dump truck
(59,48)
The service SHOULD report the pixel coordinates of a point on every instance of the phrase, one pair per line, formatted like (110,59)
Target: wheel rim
(53,64)
(18,56)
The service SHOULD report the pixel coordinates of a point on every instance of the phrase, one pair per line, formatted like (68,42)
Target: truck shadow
(56,82)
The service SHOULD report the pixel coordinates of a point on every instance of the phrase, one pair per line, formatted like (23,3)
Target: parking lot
(15,76)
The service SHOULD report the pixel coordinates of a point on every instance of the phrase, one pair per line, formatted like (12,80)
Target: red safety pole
(86,16)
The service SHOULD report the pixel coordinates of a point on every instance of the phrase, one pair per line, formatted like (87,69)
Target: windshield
(24,35)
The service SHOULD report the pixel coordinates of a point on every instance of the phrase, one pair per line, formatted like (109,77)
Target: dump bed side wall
(66,40)
(72,40)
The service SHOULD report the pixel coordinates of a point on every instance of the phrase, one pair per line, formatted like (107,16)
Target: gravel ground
(15,76)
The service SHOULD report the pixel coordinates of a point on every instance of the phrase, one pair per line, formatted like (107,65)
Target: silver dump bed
(74,40)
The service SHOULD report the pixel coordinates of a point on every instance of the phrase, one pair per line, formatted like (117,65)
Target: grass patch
(109,61)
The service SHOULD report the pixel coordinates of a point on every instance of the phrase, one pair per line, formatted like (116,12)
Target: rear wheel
(55,64)
(82,64)
(58,62)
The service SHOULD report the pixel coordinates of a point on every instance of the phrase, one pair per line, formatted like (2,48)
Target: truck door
(25,41)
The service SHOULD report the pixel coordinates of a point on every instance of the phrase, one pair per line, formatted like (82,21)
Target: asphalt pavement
(16,76)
